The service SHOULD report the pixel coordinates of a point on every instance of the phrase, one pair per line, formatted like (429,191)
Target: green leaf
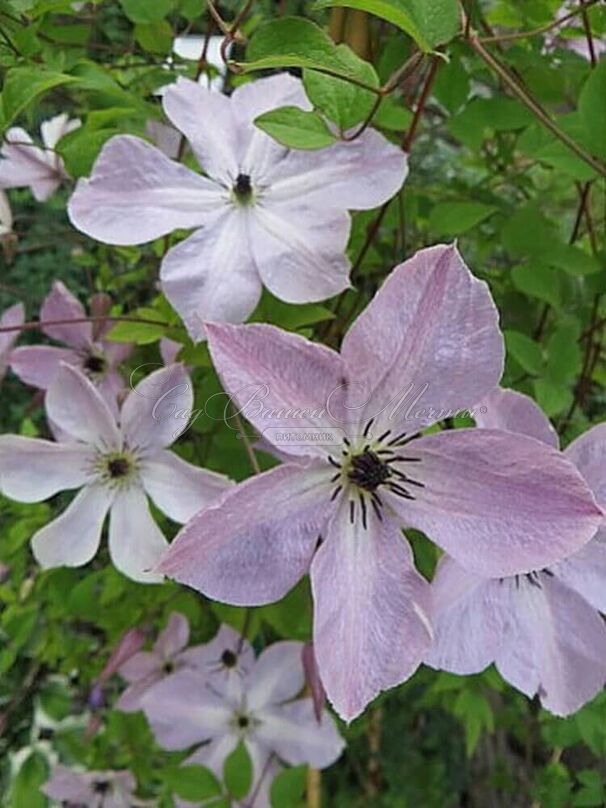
(25,791)
(536,280)
(428,22)
(454,218)
(392,115)
(564,354)
(525,350)
(154,37)
(344,103)
(191,782)
(291,616)
(296,128)
(288,787)
(551,397)
(140,333)
(238,772)
(144,11)
(484,115)
(294,42)
(592,109)
(451,86)
(23,85)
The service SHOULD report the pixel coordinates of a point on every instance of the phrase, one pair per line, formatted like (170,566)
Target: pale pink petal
(136,543)
(136,194)
(248,101)
(55,128)
(355,175)
(38,365)
(498,502)
(61,304)
(116,352)
(110,387)
(158,409)
(72,539)
(555,645)
(371,624)
(585,571)
(6,222)
(182,711)
(515,412)
(312,680)
(212,274)
(588,453)
(427,346)
(469,619)
(11,317)
(258,542)
(25,164)
(141,666)
(67,785)
(299,251)
(280,381)
(276,676)
(174,637)
(206,119)
(75,406)
(169,350)
(125,649)
(166,138)
(293,733)
(131,699)
(210,660)
(178,488)
(32,469)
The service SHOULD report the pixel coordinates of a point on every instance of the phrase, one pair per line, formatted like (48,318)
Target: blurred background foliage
(488,107)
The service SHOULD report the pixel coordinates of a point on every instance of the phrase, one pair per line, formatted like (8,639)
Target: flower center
(169,666)
(117,468)
(368,471)
(100,786)
(229,659)
(367,466)
(95,365)
(242,189)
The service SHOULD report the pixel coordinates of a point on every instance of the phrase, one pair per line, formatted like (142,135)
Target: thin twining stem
(544,29)
(524,96)
(33,324)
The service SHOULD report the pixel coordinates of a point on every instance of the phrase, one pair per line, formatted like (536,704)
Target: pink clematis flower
(116,464)
(261,709)
(41,168)
(227,655)
(87,349)
(541,629)
(500,503)
(269,215)
(11,318)
(104,789)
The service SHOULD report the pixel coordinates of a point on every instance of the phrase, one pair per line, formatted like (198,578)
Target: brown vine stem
(544,29)
(32,324)
(542,115)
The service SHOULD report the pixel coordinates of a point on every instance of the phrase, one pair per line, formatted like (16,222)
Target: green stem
(524,96)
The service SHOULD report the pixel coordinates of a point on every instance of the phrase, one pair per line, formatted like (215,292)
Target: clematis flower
(87,348)
(542,629)
(227,655)
(500,503)
(268,215)
(11,318)
(41,168)
(103,789)
(260,709)
(116,464)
